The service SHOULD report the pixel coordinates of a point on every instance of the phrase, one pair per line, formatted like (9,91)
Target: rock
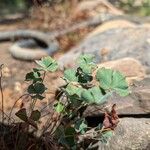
(137,103)
(88,8)
(112,24)
(131,133)
(126,42)
(144,98)
(130,67)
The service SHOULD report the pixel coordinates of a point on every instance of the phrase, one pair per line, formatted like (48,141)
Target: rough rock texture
(137,103)
(126,42)
(130,134)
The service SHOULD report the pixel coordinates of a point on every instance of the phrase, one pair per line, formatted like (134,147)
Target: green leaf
(112,80)
(59,107)
(66,137)
(37,88)
(73,90)
(75,100)
(104,76)
(22,114)
(70,75)
(106,136)
(48,64)
(35,115)
(85,58)
(94,95)
(86,63)
(35,76)
(70,136)
(81,126)
(84,78)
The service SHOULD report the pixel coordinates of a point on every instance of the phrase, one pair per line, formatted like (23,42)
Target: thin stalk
(2,96)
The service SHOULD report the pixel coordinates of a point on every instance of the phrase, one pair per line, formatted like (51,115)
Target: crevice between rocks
(93,121)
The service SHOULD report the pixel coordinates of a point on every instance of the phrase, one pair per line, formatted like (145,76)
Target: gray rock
(130,134)
(126,42)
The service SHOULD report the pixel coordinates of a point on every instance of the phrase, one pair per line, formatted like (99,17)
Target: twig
(44,76)
(2,96)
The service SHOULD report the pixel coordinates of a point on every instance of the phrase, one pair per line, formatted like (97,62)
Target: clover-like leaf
(112,80)
(37,88)
(73,90)
(94,95)
(70,75)
(86,63)
(35,76)
(22,114)
(59,107)
(35,115)
(48,64)
(85,58)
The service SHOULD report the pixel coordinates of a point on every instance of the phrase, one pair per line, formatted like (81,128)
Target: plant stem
(2,96)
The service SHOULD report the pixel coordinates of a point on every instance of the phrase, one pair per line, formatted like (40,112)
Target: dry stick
(2,96)
(47,124)
(33,102)
(46,114)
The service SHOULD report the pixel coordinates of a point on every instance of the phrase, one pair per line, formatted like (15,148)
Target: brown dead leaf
(111,119)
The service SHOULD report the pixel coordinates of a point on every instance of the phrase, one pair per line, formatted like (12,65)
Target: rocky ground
(119,44)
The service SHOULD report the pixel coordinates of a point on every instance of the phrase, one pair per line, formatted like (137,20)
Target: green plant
(82,89)
(140,8)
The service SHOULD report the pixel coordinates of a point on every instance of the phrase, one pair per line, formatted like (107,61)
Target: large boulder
(130,134)
(120,43)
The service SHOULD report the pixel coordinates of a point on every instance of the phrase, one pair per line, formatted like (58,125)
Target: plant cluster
(82,88)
